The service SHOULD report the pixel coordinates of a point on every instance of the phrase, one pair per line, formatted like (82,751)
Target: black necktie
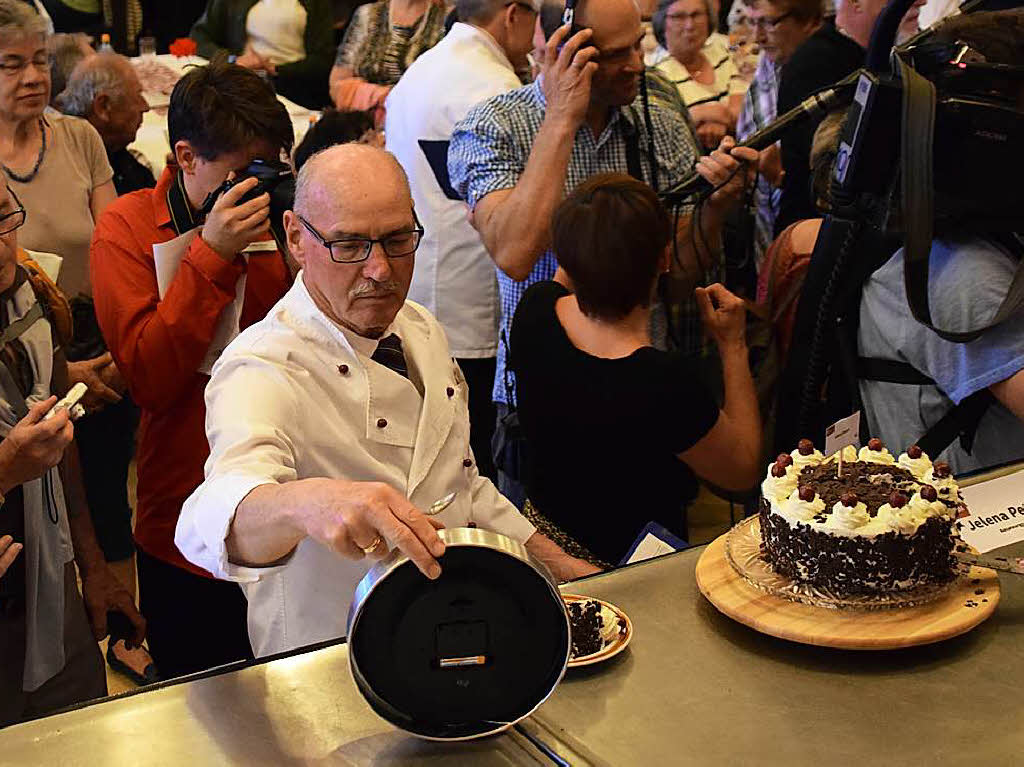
(389,354)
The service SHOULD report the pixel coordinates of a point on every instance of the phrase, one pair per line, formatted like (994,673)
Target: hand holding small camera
(34,445)
(232,225)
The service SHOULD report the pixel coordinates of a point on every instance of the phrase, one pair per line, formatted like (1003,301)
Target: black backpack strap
(917,201)
(961,421)
(891,371)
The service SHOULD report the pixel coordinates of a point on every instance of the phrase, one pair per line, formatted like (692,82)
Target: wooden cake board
(885,629)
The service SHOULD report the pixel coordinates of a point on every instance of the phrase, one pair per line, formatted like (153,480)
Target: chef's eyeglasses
(352,250)
(16,218)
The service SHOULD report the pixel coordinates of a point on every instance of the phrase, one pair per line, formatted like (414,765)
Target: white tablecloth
(152,141)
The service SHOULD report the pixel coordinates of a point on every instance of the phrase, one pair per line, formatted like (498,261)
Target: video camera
(944,114)
(931,143)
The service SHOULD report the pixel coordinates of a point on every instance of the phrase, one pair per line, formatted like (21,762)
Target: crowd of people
(477,288)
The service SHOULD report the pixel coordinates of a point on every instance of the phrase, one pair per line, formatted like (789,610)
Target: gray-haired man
(105,90)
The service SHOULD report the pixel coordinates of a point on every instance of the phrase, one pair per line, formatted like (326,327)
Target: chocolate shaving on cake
(873,483)
(585,623)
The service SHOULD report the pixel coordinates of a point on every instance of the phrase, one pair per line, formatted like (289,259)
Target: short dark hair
(610,235)
(332,128)
(223,107)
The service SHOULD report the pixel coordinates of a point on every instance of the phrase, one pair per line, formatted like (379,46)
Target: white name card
(843,433)
(997,512)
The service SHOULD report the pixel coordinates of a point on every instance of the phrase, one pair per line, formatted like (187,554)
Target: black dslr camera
(276,179)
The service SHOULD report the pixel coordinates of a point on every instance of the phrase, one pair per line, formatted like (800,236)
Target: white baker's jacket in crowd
(454,276)
(295,397)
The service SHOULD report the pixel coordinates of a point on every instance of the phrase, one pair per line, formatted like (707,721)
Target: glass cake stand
(743,550)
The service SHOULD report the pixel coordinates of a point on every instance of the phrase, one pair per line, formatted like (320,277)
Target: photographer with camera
(221,119)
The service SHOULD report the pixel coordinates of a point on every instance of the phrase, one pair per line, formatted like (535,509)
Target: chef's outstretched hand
(359,519)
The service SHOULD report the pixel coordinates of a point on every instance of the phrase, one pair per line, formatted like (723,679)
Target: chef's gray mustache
(374,288)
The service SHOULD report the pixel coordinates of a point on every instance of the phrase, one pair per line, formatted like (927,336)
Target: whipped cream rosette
(872,455)
(796,509)
(806,455)
(779,488)
(848,519)
(916,461)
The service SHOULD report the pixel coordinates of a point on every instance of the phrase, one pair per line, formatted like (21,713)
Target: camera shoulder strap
(182,218)
(633,166)
(916,190)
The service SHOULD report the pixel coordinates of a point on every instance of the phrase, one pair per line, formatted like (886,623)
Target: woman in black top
(610,420)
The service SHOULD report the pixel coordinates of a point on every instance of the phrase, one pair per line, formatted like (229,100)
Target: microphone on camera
(814,107)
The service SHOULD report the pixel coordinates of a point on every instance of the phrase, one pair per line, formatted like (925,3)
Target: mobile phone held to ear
(569,17)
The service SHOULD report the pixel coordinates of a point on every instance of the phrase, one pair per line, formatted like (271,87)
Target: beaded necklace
(39,160)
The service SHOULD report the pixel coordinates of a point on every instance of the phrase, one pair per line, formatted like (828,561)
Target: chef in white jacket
(327,435)
(454,276)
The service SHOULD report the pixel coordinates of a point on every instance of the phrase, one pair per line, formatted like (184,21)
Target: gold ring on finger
(373,546)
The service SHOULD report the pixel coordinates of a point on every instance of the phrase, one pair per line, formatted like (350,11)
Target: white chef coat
(295,397)
(454,276)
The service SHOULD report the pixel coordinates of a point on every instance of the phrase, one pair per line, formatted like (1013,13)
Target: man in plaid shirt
(781,26)
(515,156)
(759,109)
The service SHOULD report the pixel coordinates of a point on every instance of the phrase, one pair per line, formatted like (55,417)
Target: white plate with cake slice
(600,630)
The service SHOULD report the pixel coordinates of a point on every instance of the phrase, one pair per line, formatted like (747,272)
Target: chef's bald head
(354,233)
(348,171)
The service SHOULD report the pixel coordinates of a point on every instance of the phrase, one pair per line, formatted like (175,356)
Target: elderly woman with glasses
(708,79)
(57,165)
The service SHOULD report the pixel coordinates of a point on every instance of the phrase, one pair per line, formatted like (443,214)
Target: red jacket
(158,346)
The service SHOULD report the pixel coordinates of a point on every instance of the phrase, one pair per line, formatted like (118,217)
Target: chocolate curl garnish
(915,451)
(849,500)
(897,499)
(805,447)
(928,493)
(875,444)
